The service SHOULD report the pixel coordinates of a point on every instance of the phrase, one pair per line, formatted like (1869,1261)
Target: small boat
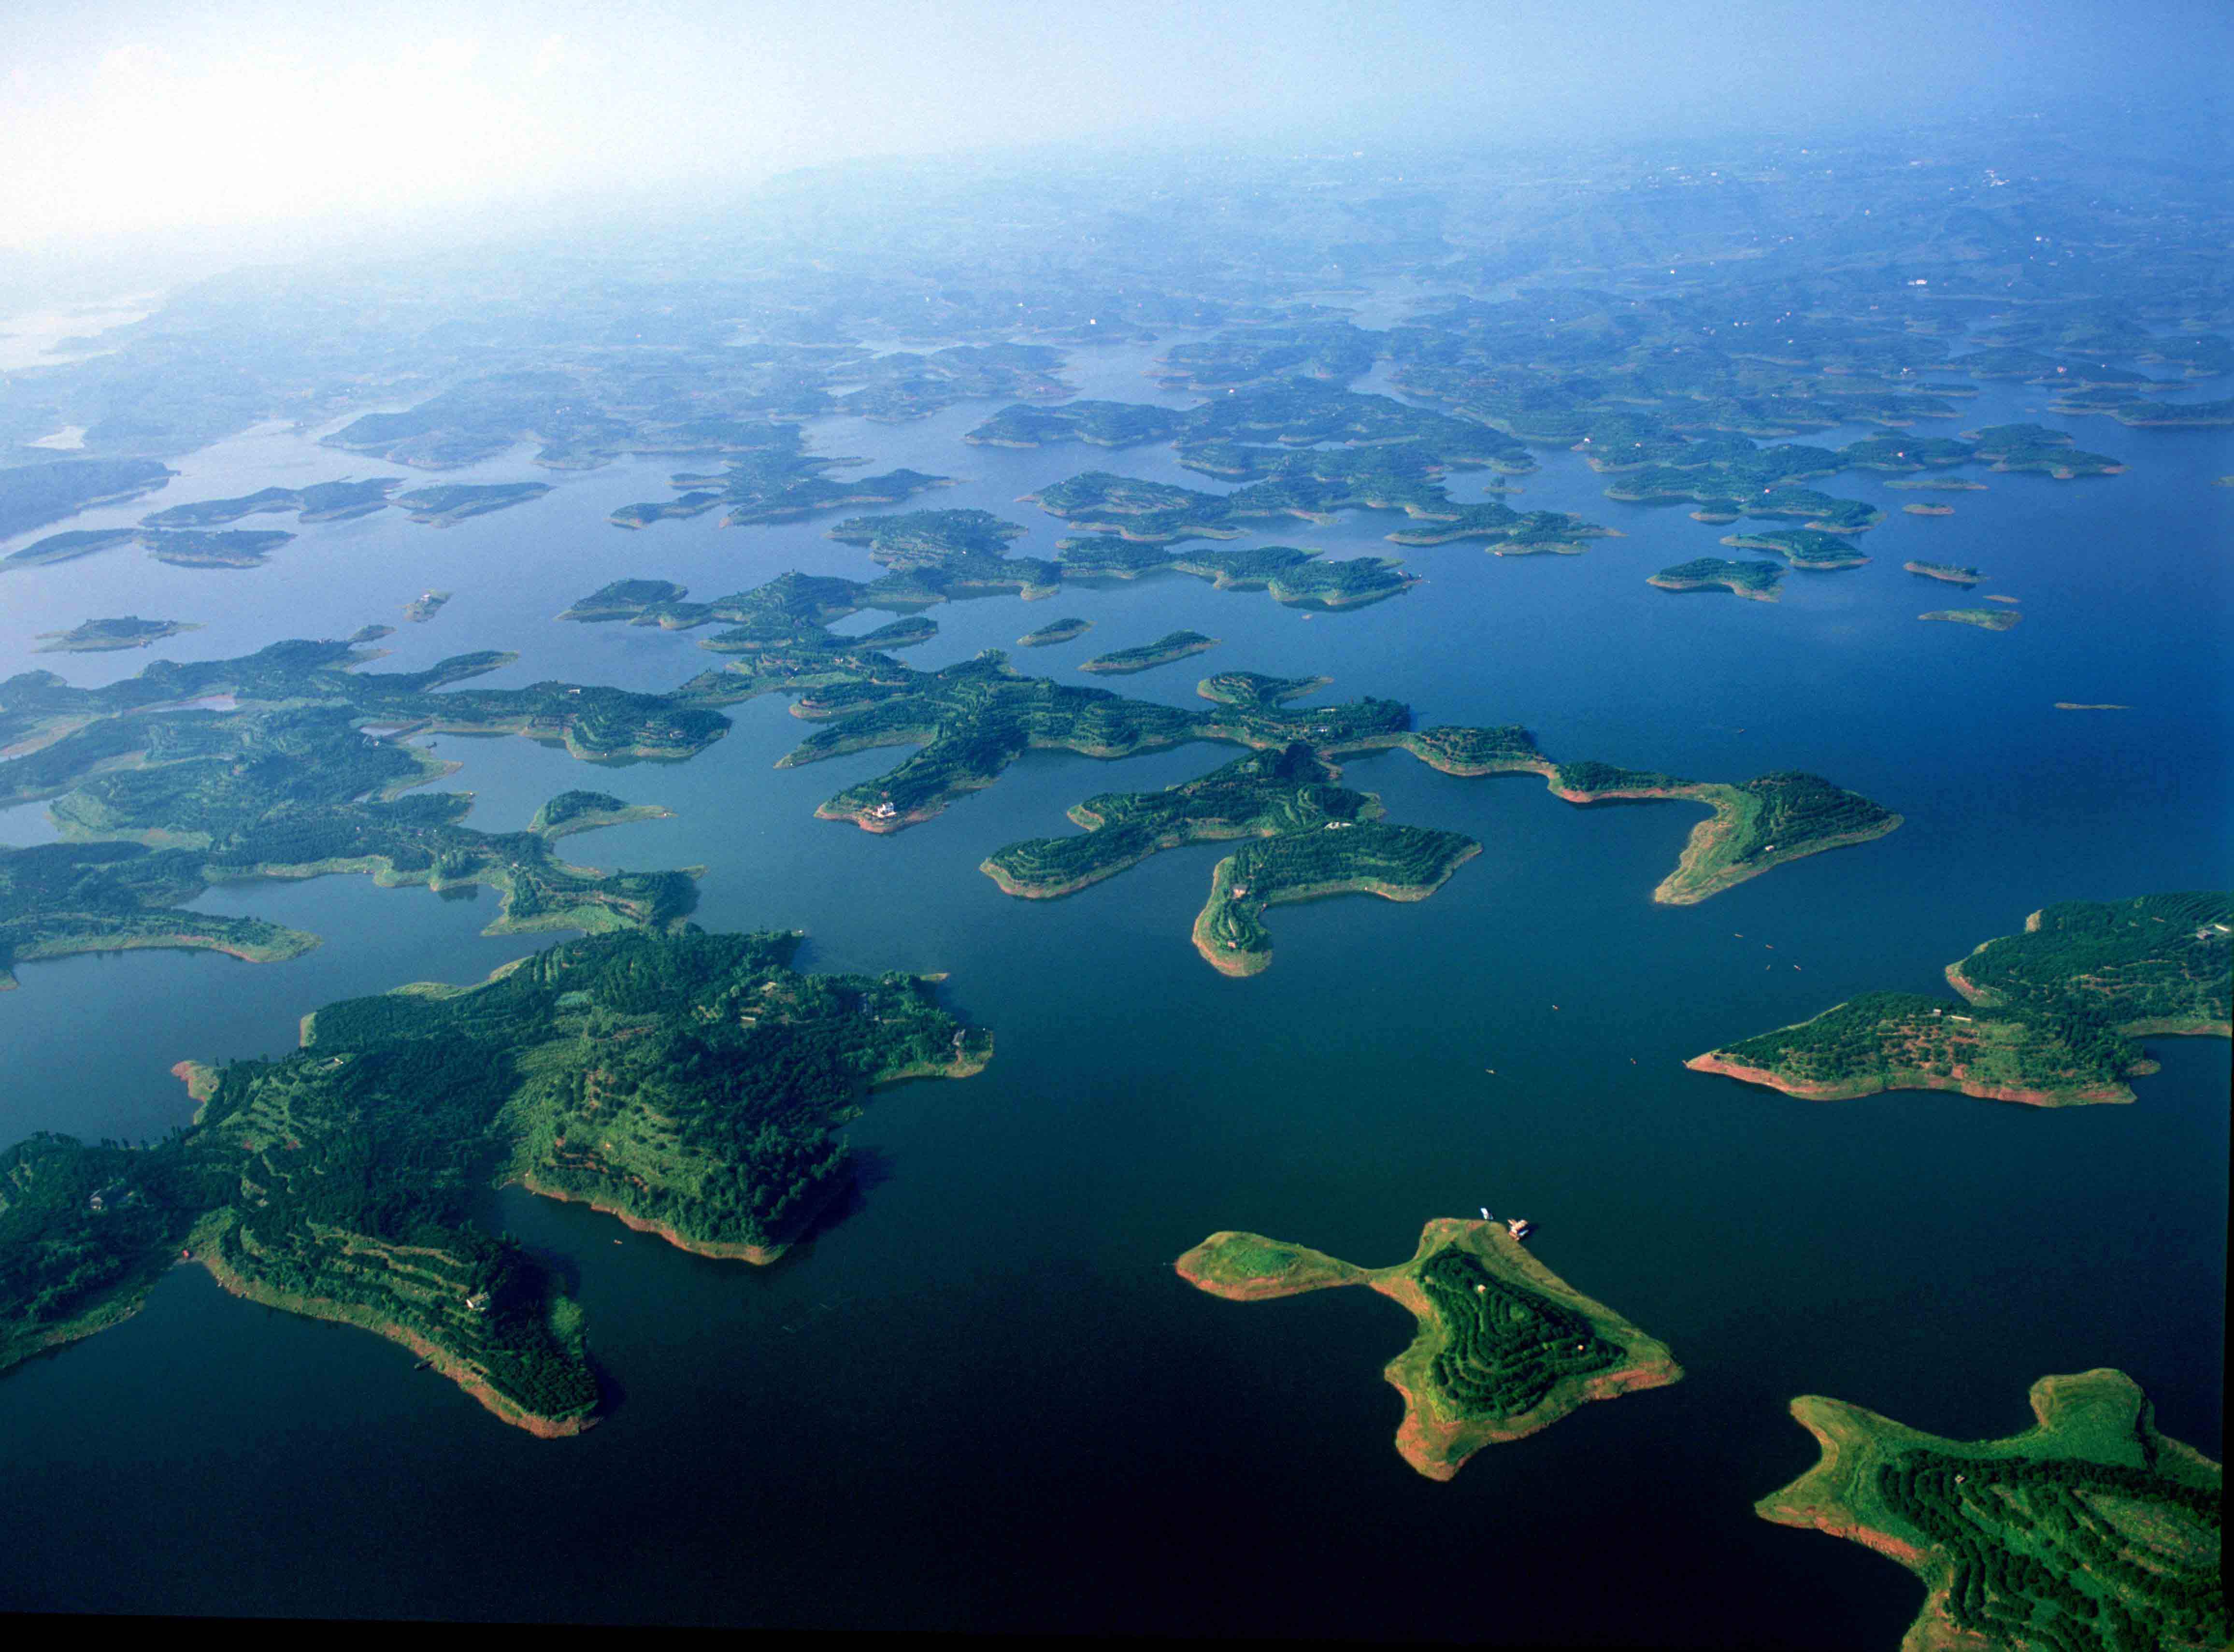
(423,1365)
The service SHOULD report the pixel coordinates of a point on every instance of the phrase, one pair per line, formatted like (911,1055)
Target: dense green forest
(2089,1532)
(1342,857)
(1505,1348)
(692,1082)
(2052,1017)
(1756,580)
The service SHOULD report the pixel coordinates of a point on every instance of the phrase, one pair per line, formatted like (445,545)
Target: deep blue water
(979,1398)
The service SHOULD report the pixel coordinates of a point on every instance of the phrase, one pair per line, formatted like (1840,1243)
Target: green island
(690,1084)
(2183,415)
(2035,448)
(1061,630)
(1929,510)
(971,720)
(1986,619)
(1173,645)
(226,548)
(1758,580)
(1942,484)
(68,547)
(1314,485)
(1756,825)
(426,605)
(2090,1532)
(1341,858)
(448,502)
(1953,573)
(935,556)
(321,502)
(1102,424)
(1260,794)
(294,762)
(33,496)
(629,599)
(2047,1017)
(100,636)
(1505,1347)
(1809,548)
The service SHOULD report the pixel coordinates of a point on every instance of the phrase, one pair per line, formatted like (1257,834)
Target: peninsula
(2049,1017)
(2090,1529)
(1505,1347)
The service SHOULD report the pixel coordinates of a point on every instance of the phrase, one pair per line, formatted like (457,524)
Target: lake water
(978,1398)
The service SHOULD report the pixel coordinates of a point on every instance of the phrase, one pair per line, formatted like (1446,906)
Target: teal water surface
(978,1398)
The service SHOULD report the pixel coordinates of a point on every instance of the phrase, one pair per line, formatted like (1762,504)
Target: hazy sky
(128,117)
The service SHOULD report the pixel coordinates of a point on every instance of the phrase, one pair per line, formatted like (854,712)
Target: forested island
(320,502)
(33,496)
(1061,631)
(426,605)
(1758,580)
(451,502)
(1505,1347)
(2049,1017)
(191,775)
(1952,574)
(100,636)
(68,547)
(1986,619)
(227,548)
(1341,858)
(1174,645)
(2089,1529)
(689,1083)
(1809,548)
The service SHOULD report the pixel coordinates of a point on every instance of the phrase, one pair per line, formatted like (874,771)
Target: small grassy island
(1755,579)
(1061,630)
(691,1084)
(2049,1016)
(1986,619)
(1953,573)
(2090,1530)
(100,636)
(448,502)
(426,605)
(1175,645)
(1929,510)
(1505,1349)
